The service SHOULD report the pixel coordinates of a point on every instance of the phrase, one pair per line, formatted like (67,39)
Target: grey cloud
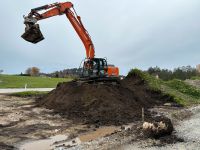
(130,33)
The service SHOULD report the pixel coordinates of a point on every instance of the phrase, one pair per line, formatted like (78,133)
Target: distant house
(198,68)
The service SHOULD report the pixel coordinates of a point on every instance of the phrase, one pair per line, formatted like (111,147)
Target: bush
(184,88)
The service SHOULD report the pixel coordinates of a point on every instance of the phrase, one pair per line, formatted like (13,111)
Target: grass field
(13,81)
(29,94)
(180,91)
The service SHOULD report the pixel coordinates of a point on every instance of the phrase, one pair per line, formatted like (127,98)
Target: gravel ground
(187,129)
(21,121)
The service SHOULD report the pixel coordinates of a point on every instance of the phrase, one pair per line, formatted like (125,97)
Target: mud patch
(101,132)
(4,146)
(20,121)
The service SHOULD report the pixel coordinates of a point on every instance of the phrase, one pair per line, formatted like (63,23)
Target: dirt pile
(103,104)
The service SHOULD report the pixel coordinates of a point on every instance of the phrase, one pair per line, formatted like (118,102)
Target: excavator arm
(33,35)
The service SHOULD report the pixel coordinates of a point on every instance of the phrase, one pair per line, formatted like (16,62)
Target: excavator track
(99,80)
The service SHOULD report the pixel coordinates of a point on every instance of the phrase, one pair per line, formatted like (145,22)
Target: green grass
(178,90)
(28,94)
(184,88)
(13,81)
(195,78)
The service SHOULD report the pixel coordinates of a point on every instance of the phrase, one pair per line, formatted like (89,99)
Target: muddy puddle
(63,141)
(101,132)
(45,144)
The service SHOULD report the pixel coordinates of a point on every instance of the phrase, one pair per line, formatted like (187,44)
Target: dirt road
(14,90)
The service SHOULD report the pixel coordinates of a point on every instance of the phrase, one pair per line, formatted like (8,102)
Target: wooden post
(142,114)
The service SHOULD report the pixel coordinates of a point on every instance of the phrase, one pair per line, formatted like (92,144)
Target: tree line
(35,71)
(74,72)
(182,73)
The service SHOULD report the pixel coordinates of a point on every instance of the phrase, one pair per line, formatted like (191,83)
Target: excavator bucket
(33,34)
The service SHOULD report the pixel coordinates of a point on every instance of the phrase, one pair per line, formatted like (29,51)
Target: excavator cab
(97,70)
(32,31)
(95,67)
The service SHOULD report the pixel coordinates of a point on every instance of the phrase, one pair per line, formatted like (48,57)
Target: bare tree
(33,71)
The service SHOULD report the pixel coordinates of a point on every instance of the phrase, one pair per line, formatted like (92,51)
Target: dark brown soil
(159,131)
(104,104)
(6,147)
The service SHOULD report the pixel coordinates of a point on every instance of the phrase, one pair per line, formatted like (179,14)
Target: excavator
(93,68)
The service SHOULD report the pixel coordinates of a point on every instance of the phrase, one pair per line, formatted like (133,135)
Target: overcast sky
(130,33)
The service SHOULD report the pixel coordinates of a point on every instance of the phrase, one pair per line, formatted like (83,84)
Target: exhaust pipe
(32,31)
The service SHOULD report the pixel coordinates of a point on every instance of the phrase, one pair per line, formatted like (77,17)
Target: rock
(172,105)
(160,126)
(127,127)
(167,104)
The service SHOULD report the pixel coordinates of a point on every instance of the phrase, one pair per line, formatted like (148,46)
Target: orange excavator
(93,68)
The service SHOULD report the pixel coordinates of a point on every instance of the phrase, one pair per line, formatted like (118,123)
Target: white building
(198,68)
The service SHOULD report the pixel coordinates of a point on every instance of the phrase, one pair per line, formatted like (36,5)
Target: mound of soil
(103,104)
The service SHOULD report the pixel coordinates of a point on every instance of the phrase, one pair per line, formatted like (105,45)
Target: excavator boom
(34,35)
